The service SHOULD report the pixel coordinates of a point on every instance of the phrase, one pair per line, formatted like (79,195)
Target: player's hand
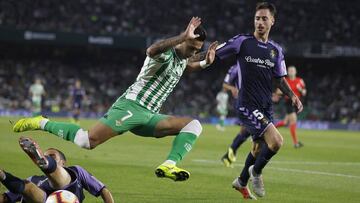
(210,54)
(297,103)
(193,24)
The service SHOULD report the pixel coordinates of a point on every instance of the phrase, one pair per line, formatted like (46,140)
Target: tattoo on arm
(284,87)
(198,57)
(164,45)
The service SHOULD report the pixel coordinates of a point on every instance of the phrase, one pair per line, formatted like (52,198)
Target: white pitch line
(316,163)
(286,169)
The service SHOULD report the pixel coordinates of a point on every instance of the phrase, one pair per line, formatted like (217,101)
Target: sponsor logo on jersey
(264,63)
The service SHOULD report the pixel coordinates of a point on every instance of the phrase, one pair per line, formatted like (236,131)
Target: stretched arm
(202,59)
(106,196)
(285,89)
(164,45)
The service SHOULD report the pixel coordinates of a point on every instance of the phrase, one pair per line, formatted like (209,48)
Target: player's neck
(262,37)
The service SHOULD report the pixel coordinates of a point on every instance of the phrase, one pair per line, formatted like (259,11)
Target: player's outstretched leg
(67,131)
(187,131)
(57,175)
(244,190)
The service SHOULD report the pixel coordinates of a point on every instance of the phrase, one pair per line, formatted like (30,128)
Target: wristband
(203,64)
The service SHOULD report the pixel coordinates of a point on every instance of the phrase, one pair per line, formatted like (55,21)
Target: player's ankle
(169,162)
(43,122)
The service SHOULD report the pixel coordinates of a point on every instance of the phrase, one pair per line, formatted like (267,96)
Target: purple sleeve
(231,76)
(12,197)
(231,47)
(89,182)
(280,67)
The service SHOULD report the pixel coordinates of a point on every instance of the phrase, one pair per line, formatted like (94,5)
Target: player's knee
(193,127)
(276,144)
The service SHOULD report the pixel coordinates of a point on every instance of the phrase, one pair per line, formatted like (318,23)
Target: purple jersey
(81,179)
(231,77)
(257,64)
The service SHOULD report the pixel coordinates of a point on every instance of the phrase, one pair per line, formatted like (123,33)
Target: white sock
(82,139)
(43,123)
(193,127)
(169,162)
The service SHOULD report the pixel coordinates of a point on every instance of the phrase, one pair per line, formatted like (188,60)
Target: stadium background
(103,42)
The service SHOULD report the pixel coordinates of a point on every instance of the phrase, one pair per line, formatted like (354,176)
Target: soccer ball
(62,196)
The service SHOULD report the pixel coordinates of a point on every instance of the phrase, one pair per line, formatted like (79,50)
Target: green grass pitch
(326,170)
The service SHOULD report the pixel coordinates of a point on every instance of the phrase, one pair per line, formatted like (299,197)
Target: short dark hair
(62,155)
(266,5)
(201,32)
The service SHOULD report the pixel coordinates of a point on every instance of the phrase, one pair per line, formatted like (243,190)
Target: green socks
(182,144)
(66,131)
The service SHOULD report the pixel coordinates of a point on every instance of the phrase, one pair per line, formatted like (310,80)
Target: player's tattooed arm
(164,45)
(285,89)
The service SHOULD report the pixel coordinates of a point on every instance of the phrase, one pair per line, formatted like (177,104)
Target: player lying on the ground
(137,110)
(57,176)
(261,62)
(230,84)
(297,85)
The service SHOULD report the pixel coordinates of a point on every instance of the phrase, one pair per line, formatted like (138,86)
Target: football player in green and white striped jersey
(137,110)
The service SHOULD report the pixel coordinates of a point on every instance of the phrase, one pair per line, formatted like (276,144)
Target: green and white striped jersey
(157,79)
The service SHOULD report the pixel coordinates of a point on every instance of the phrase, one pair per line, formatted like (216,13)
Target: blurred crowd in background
(299,20)
(332,95)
